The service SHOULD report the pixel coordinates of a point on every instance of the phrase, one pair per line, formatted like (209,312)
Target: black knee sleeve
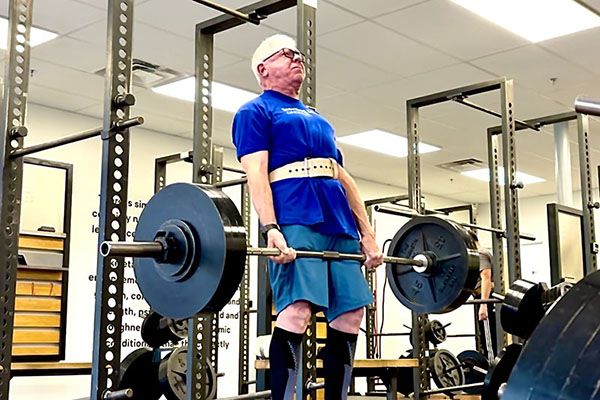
(283,359)
(338,357)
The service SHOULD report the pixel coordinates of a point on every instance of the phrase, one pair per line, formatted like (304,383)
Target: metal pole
(14,109)
(74,138)
(587,105)
(587,197)
(562,164)
(230,11)
(156,250)
(455,388)
(106,359)
(411,213)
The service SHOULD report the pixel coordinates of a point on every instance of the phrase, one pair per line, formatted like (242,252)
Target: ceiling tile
(449,27)
(59,99)
(329,18)
(93,33)
(534,67)
(157,46)
(367,114)
(57,15)
(567,96)
(577,48)
(149,102)
(103,5)
(243,40)
(370,9)
(67,80)
(399,55)
(179,17)
(348,74)
(398,92)
(71,53)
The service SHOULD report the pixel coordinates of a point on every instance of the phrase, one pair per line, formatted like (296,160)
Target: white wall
(42,202)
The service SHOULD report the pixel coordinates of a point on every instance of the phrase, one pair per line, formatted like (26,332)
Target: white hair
(270,46)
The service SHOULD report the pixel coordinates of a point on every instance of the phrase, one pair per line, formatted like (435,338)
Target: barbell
(190,255)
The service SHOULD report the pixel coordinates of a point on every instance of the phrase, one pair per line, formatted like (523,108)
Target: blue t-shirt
(290,132)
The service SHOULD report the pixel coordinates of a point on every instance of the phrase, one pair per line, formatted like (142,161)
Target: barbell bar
(410,213)
(587,105)
(157,251)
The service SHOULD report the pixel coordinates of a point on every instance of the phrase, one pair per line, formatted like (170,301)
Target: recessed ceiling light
(224,97)
(484,175)
(384,142)
(535,20)
(37,35)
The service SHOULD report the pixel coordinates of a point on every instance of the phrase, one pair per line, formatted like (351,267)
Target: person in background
(483,290)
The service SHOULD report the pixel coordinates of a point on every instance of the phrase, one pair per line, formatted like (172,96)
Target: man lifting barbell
(305,200)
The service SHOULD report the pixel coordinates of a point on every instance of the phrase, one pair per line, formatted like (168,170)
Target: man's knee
(349,321)
(295,317)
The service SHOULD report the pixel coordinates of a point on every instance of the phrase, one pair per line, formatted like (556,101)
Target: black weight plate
(560,359)
(173,379)
(139,372)
(471,358)
(500,370)
(435,332)
(445,370)
(220,236)
(452,278)
(522,308)
(156,334)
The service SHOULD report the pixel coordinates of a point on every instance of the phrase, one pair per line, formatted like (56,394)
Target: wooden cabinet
(40,298)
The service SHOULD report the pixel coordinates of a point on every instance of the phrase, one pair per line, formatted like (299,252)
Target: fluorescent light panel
(384,142)
(484,175)
(37,35)
(224,97)
(535,20)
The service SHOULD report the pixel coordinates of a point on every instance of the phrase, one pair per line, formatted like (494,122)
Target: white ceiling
(372,56)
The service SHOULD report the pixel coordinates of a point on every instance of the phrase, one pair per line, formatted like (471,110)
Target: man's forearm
(262,198)
(486,284)
(255,165)
(356,204)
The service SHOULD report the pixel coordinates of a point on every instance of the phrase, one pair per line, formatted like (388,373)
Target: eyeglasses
(289,53)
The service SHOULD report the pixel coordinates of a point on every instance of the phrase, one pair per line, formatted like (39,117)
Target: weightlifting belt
(309,168)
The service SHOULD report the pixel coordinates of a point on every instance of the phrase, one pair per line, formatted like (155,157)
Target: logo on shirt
(293,110)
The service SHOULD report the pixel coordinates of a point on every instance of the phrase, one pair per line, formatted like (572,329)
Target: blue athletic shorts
(334,287)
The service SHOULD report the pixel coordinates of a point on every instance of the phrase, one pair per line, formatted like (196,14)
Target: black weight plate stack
(208,269)
(470,359)
(139,372)
(449,281)
(560,359)
(435,333)
(158,330)
(173,379)
(445,369)
(522,308)
(500,370)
